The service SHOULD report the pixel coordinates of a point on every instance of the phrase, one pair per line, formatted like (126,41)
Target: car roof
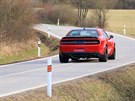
(85,29)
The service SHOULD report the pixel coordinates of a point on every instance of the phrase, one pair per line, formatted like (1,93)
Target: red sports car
(87,43)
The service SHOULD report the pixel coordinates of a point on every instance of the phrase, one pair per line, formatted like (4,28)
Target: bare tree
(100,11)
(83,7)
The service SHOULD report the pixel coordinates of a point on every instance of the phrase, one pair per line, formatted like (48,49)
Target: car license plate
(79,50)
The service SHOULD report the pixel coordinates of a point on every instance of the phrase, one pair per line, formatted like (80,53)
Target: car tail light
(64,42)
(79,42)
(91,42)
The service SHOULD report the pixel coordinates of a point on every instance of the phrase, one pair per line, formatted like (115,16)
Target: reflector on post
(49,68)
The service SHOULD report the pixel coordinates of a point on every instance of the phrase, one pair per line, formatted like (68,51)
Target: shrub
(50,14)
(88,22)
(94,20)
(16,18)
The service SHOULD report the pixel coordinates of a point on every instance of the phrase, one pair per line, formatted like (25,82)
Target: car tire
(104,58)
(112,57)
(63,59)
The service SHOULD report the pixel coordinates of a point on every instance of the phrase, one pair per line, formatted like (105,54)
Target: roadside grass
(119,18)
(114,85)
(15,52)
(116,21)
(24,55)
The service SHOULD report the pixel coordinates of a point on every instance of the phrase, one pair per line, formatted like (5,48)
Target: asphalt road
(29,75)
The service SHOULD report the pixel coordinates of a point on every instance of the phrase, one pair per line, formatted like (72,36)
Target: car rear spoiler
(78,37)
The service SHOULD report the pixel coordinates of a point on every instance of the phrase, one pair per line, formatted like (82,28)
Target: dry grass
(15,48)
(116,85)
(27,50)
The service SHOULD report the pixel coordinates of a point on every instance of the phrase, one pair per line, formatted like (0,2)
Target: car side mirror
(111,36)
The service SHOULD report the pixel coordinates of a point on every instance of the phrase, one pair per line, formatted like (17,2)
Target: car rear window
(81,33)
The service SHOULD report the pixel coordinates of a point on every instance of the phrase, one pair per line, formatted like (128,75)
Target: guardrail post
(49,77)
(124,30)
(58,23)
(39,45)
(48,30)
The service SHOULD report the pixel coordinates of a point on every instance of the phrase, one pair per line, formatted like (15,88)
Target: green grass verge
(116,85)
(119,18)
(25,55)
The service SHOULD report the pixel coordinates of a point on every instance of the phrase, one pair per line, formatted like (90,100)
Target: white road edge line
(4,95)
(47,32)
(122,36)
(27,61)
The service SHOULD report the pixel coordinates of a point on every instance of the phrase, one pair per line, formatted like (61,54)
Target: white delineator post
(49,77)
(48,32)
(39,45)
(58,23)
(124,30)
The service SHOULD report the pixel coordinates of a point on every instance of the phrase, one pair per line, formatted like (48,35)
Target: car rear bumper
(82,54)
(82,49)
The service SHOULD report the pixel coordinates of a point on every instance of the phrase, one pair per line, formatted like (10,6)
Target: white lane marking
(27,61)
(32,88)
(19,73)
(22,72)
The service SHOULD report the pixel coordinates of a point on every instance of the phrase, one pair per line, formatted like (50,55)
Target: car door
(108,41)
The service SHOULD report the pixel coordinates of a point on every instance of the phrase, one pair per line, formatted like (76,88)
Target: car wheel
(104,58)
(63,59)
(113,55)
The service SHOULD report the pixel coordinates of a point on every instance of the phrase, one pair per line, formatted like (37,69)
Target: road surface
(29,75)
